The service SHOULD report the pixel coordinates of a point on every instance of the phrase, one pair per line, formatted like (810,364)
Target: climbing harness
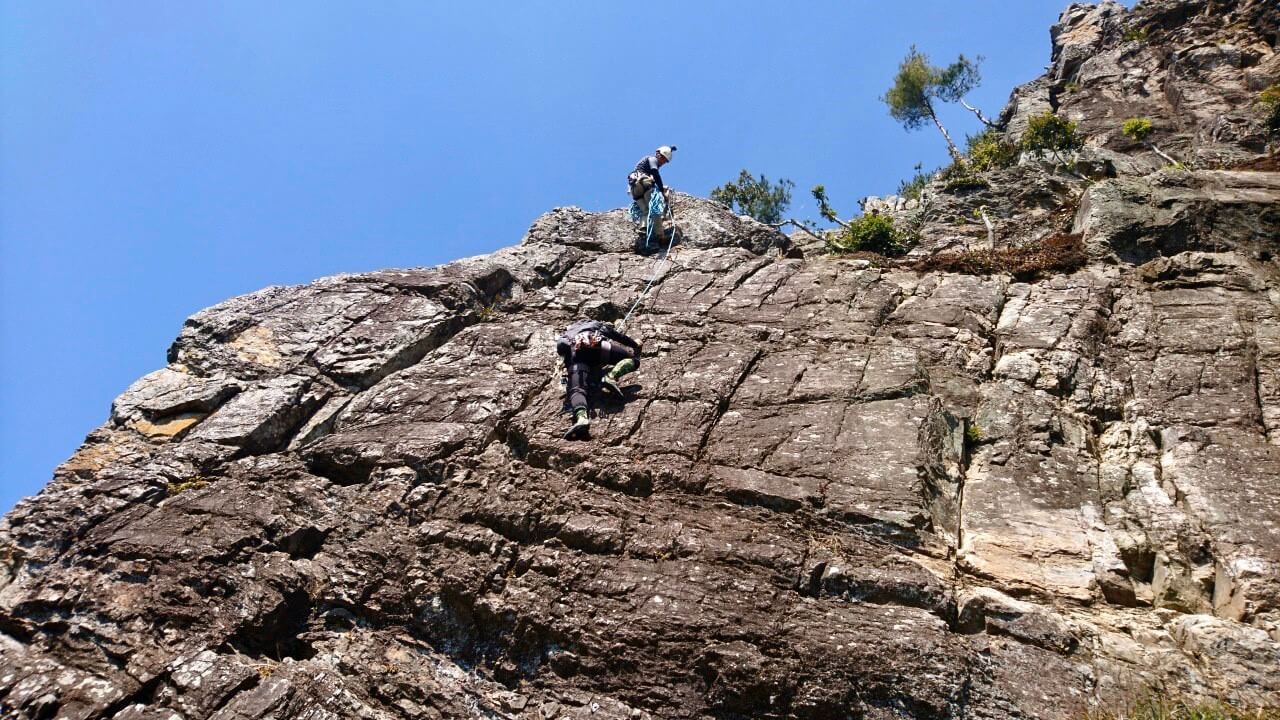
(657,208)
(587,340)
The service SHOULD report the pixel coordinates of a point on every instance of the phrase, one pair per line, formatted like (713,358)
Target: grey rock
(261,418)
(1136,220)
(837,488)
(167,392)
(1080,33)
(698,224)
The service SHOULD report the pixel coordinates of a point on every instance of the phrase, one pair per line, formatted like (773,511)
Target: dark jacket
(564,344)
(649,166)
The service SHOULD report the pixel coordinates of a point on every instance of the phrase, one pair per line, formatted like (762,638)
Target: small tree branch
(1166,158)
(1069,166)
(951,145)
(799,225)
(991,229)
(824,207)
(976,111)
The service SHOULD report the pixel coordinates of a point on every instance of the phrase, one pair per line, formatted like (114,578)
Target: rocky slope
(838,489)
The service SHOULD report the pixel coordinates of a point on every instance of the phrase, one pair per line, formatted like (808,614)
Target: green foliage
(912,188)
(824,207)
(918,83)
(870,233)
(957,79)
(909,98)
(960,182)
(988,150)
(1270,99)
(756,197)
(488,313)
(1136,128)
(960,176)
(194,483)
(1071,86)
(973,434)
(1052,133)
(1138,35)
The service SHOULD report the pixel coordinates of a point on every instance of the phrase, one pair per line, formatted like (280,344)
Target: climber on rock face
(643,181)
(587,346)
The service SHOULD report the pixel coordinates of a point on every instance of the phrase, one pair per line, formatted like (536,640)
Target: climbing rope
(657,208)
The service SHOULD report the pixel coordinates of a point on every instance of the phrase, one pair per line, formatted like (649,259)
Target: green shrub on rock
(973,434)
(1048,132)
(960,177)
(988,150)
(1138,35)
(870,233)
(1139,129)
(1136,128)
(911,189)
(963,181)
(1270,99)
(756,197)
(194,483)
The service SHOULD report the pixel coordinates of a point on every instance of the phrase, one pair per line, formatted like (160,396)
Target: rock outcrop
(836,489)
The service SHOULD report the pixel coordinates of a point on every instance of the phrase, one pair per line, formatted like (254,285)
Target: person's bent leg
(578,371)
(577,390)
(658,236)
(624,360)
(636,212)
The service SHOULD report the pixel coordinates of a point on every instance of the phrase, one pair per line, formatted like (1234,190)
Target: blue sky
(158,157)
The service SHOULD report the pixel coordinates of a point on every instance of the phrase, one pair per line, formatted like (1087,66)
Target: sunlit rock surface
(836,489)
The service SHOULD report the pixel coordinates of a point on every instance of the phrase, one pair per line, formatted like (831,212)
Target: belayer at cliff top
(641,183)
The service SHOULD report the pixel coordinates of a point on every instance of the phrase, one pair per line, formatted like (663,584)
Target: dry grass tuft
(1155,708)
(1058,253)
(1262,164)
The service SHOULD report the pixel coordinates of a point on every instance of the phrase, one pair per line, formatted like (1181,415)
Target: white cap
(665,152)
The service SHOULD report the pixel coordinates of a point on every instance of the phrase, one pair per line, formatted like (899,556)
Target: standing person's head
(664,154)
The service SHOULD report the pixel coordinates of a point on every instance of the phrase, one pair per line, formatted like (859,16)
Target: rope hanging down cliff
(657,208)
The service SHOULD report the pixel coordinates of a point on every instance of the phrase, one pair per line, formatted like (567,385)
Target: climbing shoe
(610,381)
(610,385)
(581,423)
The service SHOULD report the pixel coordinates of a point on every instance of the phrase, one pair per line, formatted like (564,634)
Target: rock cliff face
(837,489)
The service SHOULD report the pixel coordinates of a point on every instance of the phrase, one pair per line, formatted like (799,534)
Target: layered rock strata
(836,489)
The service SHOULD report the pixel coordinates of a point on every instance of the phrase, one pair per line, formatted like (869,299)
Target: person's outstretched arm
(615,334)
